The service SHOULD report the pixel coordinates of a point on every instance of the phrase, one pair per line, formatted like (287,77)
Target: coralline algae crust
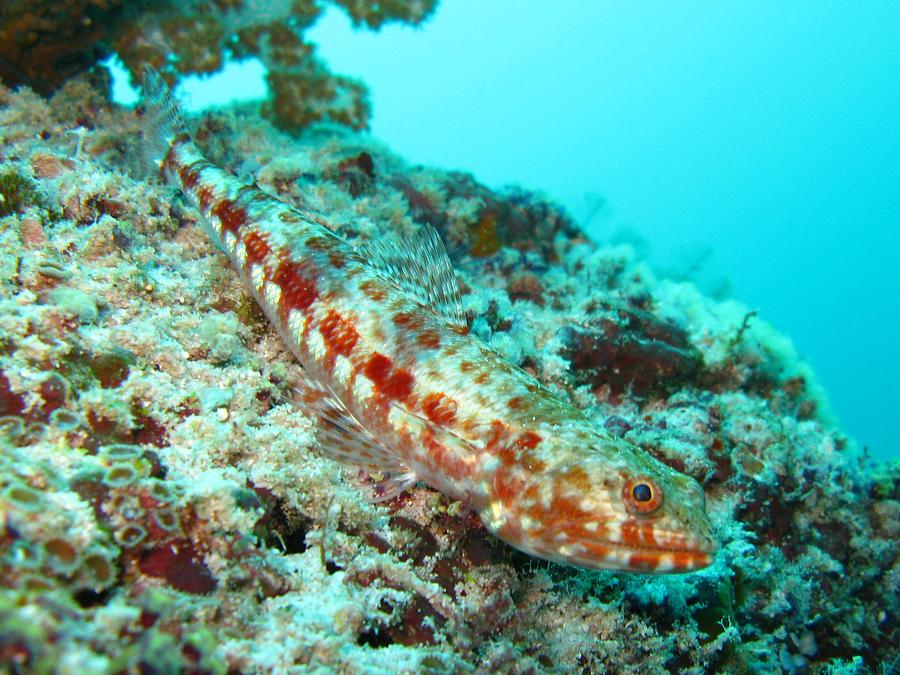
(164,504)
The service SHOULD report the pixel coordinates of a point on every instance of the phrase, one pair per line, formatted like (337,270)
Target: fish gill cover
(164,505)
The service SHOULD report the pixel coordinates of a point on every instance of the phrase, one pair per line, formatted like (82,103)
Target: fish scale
(400,385)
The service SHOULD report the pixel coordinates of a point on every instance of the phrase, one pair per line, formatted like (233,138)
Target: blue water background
(754,145)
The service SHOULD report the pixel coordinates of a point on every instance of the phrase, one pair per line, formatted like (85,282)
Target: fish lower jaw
(623,558)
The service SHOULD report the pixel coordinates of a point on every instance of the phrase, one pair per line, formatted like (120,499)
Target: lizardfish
(401,387)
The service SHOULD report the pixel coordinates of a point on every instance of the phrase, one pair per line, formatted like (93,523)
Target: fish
(403,390)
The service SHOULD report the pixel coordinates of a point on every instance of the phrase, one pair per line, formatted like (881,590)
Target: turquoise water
(752,147)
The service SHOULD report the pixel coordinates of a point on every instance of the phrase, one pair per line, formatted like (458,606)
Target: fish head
(609,506)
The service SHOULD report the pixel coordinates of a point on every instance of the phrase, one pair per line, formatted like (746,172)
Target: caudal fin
(164,124)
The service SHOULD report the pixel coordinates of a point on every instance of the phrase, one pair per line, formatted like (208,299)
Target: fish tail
(164,124)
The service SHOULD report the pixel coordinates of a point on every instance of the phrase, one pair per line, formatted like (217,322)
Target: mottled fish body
(400,386)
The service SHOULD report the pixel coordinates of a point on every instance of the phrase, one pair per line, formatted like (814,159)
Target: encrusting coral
(164,506)
(45,42)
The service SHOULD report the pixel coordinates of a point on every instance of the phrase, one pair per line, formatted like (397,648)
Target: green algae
(17,193)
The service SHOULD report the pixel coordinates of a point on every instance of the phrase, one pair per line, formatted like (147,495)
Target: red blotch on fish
(205,197)
(337,259)
(298,287)
(444,459)
(231,216)
(429,339)
(439,408)
(395,384)
(373,290)
(339,334)
(257,247)
(507,484)
(528,440)
(408,320)
(190,175)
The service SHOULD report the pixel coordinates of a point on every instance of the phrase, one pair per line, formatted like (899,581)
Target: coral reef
(163,506)
(44,43)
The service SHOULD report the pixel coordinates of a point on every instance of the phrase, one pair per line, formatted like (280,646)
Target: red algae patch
(178,564)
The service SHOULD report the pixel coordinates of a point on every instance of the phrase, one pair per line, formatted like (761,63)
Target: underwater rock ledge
(43,43)
(164,505)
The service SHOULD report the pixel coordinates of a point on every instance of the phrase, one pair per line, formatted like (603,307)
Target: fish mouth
(676,553)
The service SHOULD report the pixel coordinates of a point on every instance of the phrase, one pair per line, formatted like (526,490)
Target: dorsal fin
(420,267)
(343,437)
(163,123)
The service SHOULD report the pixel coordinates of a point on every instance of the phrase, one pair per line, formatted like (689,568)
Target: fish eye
(642,494)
